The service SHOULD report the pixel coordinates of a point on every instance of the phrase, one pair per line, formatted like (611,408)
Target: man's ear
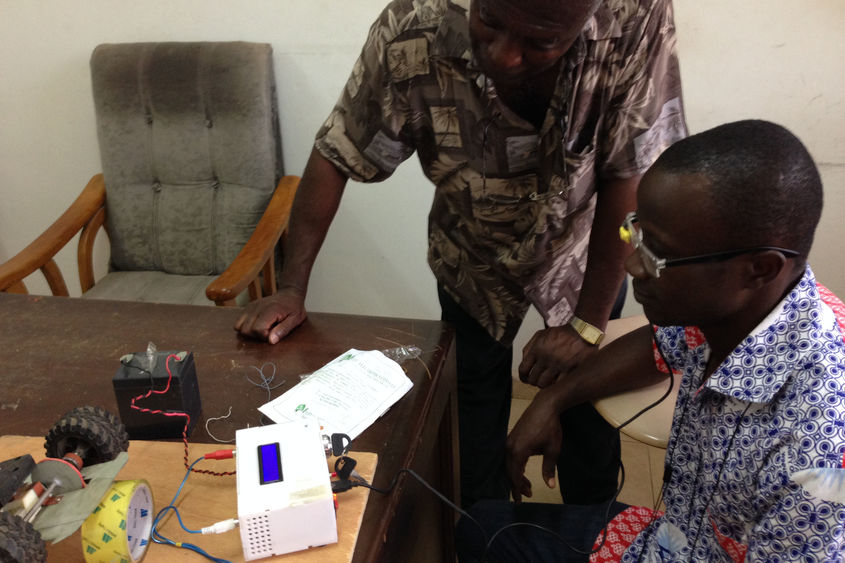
(764,267)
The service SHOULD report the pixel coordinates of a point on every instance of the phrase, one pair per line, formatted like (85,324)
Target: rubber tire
(19,542)
(109,419)
(85,429)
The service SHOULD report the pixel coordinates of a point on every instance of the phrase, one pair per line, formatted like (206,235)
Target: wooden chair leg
(268,276)
(55,279)
(254,290)
(85,251)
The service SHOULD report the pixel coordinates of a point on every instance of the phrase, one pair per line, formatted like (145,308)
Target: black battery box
(144,378)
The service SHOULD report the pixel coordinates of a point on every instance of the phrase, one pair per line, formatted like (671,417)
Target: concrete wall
(770,59)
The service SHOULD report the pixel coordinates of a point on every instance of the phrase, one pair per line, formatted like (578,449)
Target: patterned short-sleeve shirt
(513,205)
(757,450)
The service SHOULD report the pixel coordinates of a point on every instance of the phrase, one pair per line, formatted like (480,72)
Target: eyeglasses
(630,233)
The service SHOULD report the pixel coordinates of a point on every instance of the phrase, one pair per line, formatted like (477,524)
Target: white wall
(756,58)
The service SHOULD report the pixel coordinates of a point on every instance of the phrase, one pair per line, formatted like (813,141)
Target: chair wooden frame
(87,214)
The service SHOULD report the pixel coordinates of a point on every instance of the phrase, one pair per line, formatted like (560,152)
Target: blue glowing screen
(269,463)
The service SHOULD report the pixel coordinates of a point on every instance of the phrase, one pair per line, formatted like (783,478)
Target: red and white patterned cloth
(621,532)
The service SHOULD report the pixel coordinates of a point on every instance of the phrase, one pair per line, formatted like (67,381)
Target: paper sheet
(346,395)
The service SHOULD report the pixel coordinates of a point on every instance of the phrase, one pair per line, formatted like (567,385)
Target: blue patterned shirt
(756,451)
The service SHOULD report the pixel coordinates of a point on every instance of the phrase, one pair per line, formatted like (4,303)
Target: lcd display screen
(269,463)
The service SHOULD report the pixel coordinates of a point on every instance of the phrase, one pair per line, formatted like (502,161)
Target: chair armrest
(40,252)
(259,248)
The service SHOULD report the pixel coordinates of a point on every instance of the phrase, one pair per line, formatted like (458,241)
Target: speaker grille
(258,541)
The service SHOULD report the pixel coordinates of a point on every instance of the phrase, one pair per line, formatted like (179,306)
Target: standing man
(534,120)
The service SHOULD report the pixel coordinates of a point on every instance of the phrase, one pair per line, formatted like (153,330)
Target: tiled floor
(643,463)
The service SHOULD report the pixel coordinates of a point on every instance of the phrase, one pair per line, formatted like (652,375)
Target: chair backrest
(190,147)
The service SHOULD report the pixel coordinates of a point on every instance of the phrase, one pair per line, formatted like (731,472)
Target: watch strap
(590,334)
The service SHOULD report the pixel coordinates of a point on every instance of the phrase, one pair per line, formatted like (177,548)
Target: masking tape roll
(119,528)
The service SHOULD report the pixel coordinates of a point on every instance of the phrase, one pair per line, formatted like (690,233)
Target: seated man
(724,223)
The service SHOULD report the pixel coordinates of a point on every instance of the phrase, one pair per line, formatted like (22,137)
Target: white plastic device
(285,500)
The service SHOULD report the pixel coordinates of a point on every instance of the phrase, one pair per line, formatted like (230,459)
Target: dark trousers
(590,454)
(577,528)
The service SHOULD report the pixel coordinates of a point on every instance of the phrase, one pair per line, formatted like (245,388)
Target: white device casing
(294,513)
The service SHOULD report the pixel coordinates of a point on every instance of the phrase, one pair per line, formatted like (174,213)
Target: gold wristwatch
(590,334)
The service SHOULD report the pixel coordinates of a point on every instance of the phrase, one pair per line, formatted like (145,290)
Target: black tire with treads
(109,419)
(19,541)
(84,434)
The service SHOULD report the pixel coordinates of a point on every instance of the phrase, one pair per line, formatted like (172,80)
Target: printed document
(346,395)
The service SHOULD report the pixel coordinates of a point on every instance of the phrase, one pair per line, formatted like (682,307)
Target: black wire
(621,470)
(462,512)
(537,527)
(566,544)
(141,370)
(621,466)
(655,403)
(648,529)
(489,542)
(416,476)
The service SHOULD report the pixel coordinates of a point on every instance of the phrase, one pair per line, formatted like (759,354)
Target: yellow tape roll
(119,528)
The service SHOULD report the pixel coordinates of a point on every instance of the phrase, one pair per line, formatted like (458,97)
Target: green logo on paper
(301,408)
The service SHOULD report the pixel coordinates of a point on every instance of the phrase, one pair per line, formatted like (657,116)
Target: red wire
(175,413)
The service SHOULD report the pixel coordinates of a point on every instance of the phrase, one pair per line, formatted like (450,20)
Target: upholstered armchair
(191,193)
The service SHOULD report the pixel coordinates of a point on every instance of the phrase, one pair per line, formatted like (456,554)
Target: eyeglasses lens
(634,236)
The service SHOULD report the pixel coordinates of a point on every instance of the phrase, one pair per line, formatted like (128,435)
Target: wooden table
(57,353)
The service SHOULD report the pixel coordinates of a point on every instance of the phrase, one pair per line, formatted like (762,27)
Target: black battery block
(135,380)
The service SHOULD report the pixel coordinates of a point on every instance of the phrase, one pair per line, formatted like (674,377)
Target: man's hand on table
(273,317)
(537,432)
(552,352)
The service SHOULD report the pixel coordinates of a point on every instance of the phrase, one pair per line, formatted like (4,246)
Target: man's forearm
(606,256)
(314,208)
(625,364)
